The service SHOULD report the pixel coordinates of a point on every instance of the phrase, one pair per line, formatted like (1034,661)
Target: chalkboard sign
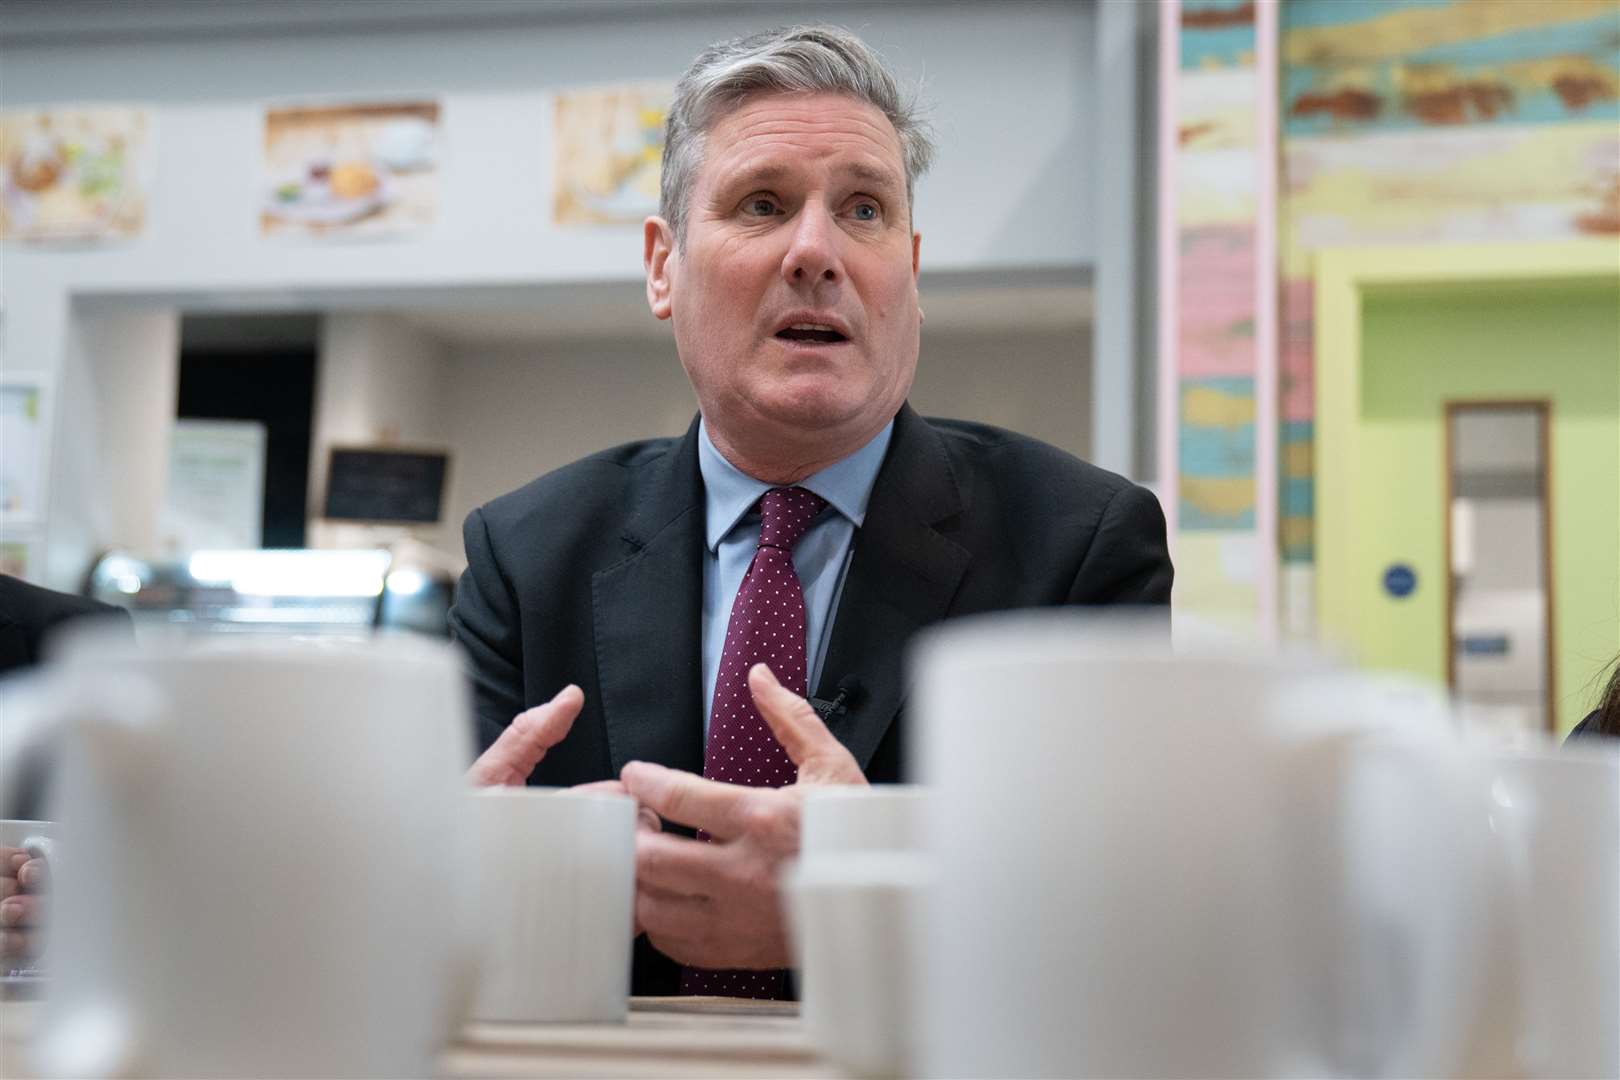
(384,485)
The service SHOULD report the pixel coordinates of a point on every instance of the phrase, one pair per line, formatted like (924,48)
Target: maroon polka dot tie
(767,626)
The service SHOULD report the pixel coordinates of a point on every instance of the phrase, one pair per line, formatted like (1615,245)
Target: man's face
(794,294)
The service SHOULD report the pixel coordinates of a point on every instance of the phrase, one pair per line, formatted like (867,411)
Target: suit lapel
(645,613)
(902,576)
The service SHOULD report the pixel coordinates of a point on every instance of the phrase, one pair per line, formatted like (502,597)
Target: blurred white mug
(1105,824)
(259,840)
(855,898)
(1553,814)
(857,922)
(555,903)
(1387,890)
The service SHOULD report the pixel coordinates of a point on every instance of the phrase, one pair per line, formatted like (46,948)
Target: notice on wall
(215,494)
(17,559)
(357,169)
(22,452)
(607,149)
(74,174)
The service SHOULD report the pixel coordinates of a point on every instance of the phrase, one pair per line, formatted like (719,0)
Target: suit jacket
(29,615)
(593,574)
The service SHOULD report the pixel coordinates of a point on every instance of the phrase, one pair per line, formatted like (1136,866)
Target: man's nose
(813,256)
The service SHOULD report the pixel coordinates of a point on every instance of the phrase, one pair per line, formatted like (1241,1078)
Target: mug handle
(120,719)
(118,715)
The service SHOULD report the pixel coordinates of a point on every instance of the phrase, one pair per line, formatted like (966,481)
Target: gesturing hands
(716,904)
(24,877)
(711,904)
(512,757)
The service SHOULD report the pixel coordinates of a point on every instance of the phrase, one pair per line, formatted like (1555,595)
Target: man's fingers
(513,756)
(671,923)
(678,865)
(19,911)
(790,717)
(718,809)
(601,787)
(35,875)
(16,945)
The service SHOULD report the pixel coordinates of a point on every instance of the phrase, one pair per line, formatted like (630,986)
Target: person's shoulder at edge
(36,606)
(30,614)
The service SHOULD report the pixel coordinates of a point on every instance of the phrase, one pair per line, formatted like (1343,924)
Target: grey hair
(789,59)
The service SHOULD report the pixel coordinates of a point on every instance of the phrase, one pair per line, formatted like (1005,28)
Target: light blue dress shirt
(821,556)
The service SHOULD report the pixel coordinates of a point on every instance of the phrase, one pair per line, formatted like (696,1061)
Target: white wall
(515,413)
(117,386)
(518,412)
(1009,84)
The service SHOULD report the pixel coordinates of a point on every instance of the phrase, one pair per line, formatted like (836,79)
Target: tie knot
(784,515)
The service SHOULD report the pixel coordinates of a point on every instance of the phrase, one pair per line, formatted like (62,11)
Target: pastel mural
(1217,204)
(1431,121)
(1397,122)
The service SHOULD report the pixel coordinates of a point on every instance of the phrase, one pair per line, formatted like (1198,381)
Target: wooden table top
(664,1037)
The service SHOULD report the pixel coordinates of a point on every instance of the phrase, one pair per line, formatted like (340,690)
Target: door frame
(1344,277)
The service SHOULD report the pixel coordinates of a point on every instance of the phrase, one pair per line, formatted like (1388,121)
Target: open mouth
(811,332)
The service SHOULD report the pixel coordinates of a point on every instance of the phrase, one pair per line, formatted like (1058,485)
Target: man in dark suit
(669,605)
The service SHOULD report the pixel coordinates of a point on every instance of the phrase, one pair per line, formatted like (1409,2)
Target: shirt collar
(729,493)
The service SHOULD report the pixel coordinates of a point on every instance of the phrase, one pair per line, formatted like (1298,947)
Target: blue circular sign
(1400,580)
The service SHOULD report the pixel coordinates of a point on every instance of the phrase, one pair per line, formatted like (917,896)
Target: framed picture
(74,173)
(345,169)
(23,427)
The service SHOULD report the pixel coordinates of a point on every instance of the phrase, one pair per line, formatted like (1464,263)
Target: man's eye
(865,212)
(760,206)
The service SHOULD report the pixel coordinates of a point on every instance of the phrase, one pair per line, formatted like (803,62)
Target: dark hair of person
(1608,710)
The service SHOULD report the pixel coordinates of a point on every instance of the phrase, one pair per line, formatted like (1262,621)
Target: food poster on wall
(354,169)
(74,174)
(607,147)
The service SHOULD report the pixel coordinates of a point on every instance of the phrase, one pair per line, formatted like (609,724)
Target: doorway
(1498,544)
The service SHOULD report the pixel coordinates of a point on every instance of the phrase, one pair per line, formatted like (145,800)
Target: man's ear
(658,244)
(916,253)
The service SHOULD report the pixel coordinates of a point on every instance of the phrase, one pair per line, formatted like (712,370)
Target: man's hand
(717,904)
(512,757)
(23,879)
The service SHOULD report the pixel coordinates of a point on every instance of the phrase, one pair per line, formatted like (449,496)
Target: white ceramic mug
(259,843)
(1387,902)
(1418,908)
(1105,823)
(855,904)
(857,931)
(555,903)
(1553,814)
(879,817)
